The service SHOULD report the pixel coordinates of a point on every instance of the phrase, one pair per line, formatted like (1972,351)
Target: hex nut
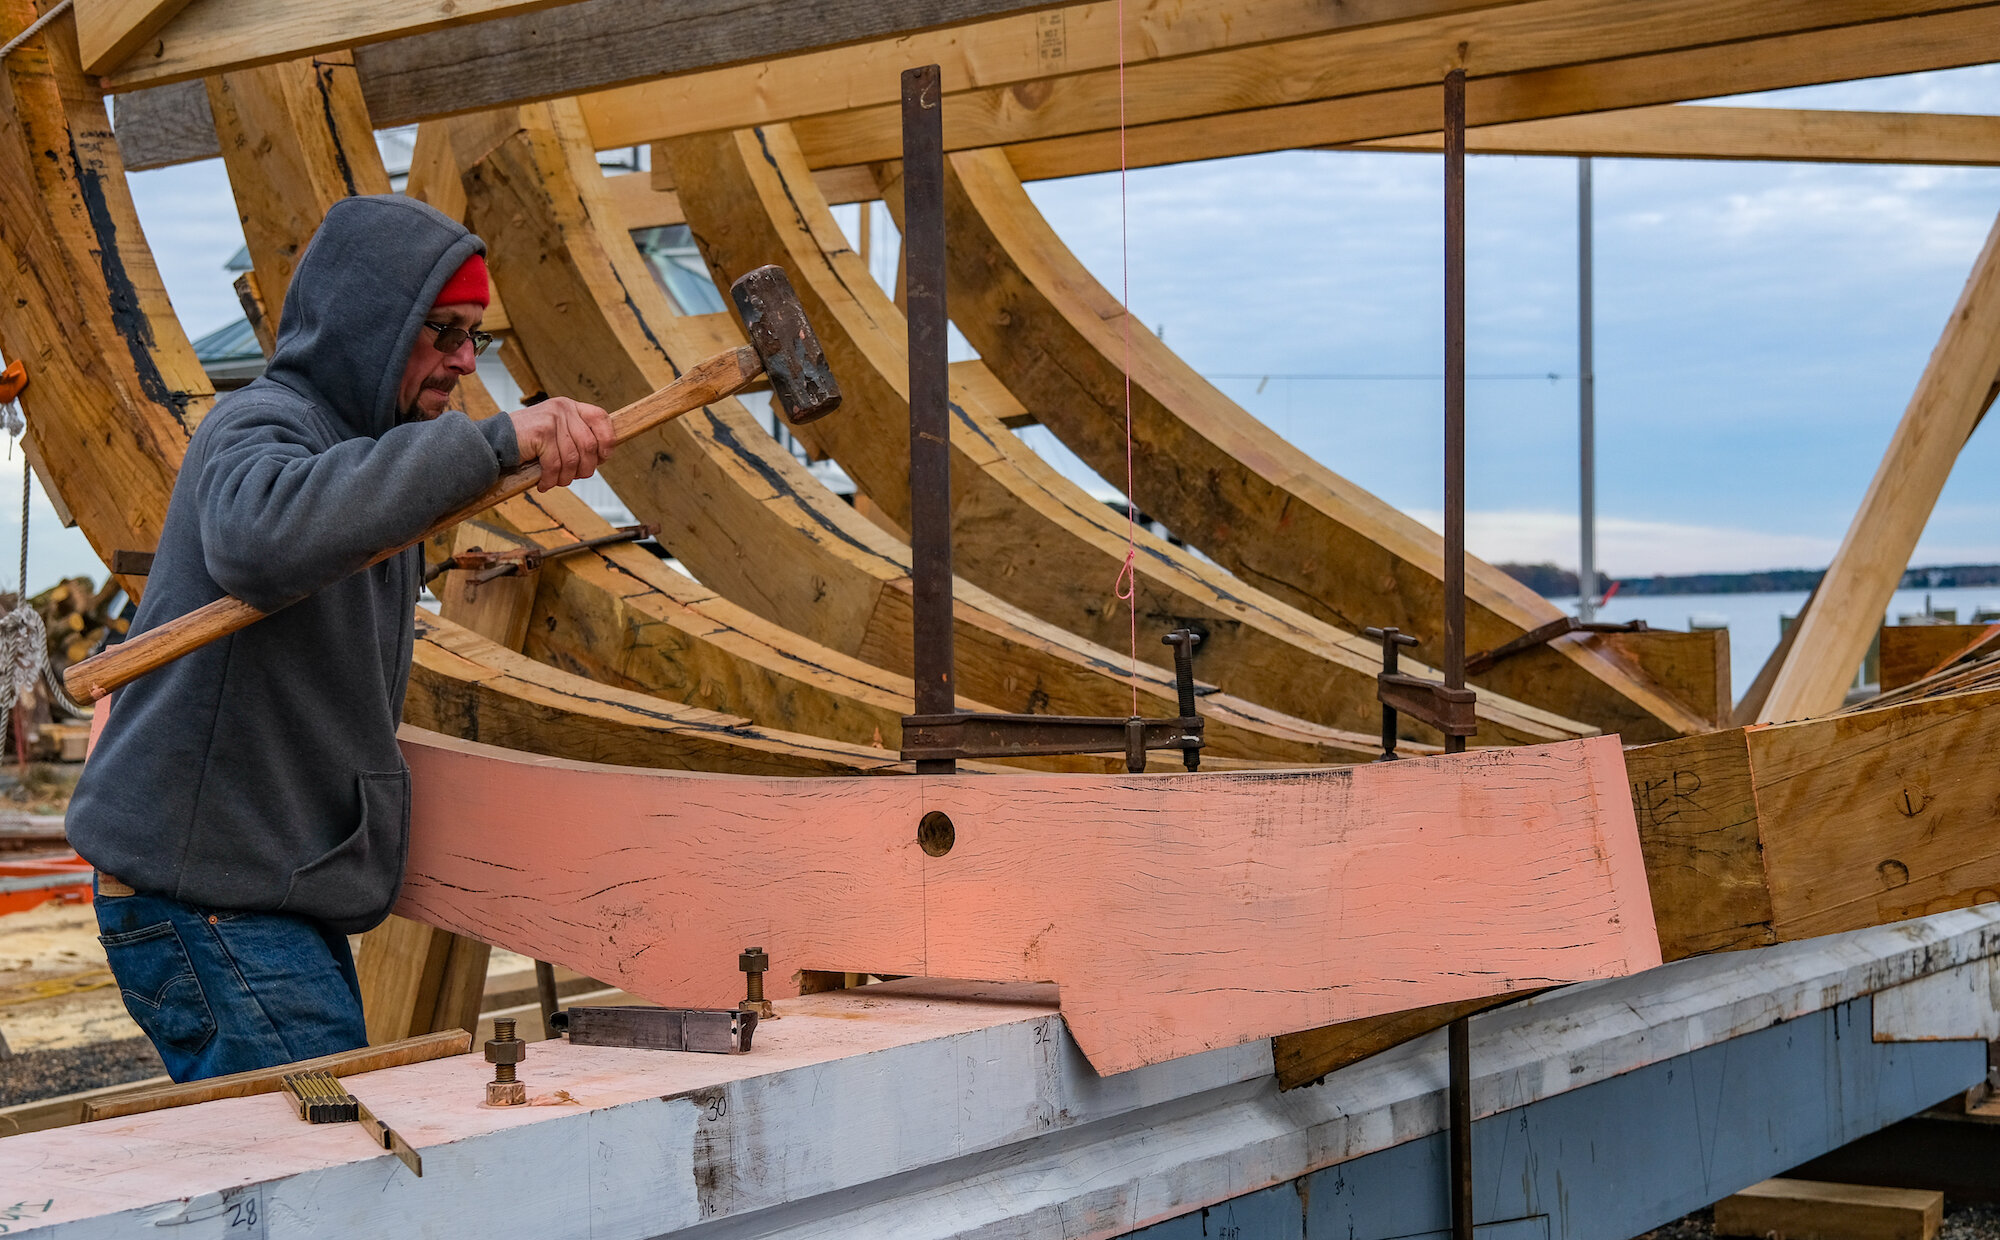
(506,1094)
(753,960)
(511,1051)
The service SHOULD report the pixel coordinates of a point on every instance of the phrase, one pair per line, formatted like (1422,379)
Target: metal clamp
(488,565)
(1542,635)
(1450,711)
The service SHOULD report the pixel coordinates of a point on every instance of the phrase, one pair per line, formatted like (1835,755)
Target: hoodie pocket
(159,986)
(352,887)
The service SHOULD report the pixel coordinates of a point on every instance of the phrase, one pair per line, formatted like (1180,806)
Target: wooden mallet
(782,346)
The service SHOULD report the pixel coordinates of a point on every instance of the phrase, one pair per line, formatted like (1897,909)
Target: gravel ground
(1963,1222)
(34,1075)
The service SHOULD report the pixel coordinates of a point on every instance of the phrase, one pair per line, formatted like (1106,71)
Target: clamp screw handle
(1184,640)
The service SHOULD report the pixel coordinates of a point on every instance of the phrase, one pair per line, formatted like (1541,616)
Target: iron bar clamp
(930,395)
(937,735)
(1459,1040)
(1450,711)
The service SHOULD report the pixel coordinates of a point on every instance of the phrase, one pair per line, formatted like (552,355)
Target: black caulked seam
(322,78)
(127,318)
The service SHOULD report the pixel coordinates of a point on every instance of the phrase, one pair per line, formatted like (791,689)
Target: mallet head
(783,337)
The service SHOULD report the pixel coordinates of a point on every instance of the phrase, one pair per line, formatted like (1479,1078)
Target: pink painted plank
(1176,913)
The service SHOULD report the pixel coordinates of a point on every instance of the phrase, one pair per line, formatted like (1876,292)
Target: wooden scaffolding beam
(1951,397)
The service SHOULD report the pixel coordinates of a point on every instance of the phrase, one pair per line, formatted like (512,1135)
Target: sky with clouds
(1759,328)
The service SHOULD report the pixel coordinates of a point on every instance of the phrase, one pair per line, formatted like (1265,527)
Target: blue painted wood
(1622,1156)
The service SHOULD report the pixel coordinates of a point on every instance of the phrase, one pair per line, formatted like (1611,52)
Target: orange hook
(12,380)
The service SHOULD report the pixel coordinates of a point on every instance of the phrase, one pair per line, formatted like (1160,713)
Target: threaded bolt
(503,1051)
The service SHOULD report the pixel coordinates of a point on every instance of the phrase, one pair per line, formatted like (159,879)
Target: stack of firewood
(78,617)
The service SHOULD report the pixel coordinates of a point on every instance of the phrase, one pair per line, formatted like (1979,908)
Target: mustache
(445,384)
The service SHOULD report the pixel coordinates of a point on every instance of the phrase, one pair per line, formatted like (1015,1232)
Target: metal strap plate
(716,1031)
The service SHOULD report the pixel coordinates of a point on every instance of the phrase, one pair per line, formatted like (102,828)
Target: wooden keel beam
(1950,399)
(115,389)
(1539,883)
(746,518)
(1020,529)
(1230,486)
(1768,834)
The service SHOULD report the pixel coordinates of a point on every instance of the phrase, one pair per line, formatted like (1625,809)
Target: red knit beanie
(467,284)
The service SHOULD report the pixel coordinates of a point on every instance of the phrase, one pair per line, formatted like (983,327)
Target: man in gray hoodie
(247,807)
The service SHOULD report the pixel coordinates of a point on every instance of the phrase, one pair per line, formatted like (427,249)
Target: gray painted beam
(598,43)
(1617,1158)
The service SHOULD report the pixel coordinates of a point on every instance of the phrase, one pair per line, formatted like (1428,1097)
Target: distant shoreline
(1553,581)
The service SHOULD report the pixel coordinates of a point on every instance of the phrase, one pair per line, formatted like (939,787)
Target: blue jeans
(221,992)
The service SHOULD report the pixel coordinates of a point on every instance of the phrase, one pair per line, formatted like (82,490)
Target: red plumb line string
(1127,584)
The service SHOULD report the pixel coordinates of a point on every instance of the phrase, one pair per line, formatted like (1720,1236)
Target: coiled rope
(34,28)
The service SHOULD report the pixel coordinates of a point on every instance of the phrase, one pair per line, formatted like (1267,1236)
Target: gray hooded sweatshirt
(261,772)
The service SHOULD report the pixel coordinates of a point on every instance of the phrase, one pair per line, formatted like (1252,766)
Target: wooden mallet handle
(725,374)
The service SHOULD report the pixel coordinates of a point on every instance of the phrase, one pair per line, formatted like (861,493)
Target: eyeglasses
(449,338)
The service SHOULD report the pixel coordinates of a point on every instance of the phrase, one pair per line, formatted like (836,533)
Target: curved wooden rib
(746,518)
(1228,484)
(1499,871)
(466,686)
(619,616)
(114,389)
(1021,529)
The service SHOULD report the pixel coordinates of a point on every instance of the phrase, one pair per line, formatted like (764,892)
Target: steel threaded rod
(503,1031)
